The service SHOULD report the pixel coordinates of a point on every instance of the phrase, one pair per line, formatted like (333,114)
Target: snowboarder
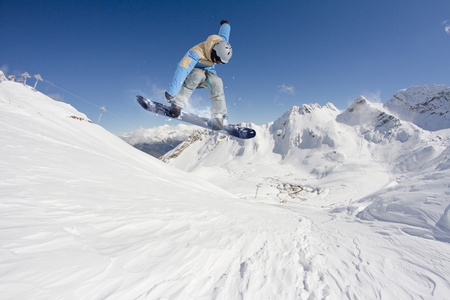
(196,70)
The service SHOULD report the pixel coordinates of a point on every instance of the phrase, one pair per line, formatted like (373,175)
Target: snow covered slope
(83,215)
(86,216)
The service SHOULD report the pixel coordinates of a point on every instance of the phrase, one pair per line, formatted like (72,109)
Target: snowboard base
(229,129)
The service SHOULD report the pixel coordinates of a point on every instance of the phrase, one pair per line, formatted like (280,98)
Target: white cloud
(286,89)
(4,69)
(446,24)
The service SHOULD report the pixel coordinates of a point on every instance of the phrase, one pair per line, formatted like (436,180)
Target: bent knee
(216,82)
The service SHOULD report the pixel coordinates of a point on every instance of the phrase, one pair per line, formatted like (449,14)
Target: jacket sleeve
(189,61)
(185,67)
(224,32)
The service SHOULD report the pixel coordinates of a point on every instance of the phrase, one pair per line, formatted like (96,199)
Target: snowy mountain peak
(362,111)
(420,94)
(426,106)
(331,106)
(359,101)
(374,122)
(312,110)
(308,108)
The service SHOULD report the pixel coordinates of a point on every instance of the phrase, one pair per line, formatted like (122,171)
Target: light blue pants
(199,78)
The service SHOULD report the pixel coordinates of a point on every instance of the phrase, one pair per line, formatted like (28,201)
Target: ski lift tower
(38,77)
(25,76)
(103,109)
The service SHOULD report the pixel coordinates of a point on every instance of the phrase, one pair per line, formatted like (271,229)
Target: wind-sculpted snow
(83,215)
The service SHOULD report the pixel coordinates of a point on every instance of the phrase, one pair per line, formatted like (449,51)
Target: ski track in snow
(85,216)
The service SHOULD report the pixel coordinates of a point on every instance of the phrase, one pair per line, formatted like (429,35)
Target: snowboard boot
(216,123)
(175,110)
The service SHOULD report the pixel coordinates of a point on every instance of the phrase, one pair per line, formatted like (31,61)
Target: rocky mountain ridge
(426,106)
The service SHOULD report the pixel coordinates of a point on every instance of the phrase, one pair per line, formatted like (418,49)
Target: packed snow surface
(86,216)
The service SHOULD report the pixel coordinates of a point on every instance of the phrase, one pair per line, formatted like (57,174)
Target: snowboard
(229,129)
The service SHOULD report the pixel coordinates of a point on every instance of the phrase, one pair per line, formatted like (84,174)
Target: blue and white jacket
(198,56)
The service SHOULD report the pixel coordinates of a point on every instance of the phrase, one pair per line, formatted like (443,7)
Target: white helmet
(222,51)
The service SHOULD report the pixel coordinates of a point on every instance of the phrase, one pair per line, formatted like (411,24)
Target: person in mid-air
(196,70)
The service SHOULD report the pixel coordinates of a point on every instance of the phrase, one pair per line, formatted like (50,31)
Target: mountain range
(307,154)
(159,140)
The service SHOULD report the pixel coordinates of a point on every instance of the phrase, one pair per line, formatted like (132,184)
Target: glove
(224,22)
(168,96)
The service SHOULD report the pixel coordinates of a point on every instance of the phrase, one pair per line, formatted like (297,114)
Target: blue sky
(285,53)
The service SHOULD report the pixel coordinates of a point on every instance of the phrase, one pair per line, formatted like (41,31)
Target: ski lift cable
(84,99)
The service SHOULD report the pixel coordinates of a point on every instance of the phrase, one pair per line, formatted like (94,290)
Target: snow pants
(199,78)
